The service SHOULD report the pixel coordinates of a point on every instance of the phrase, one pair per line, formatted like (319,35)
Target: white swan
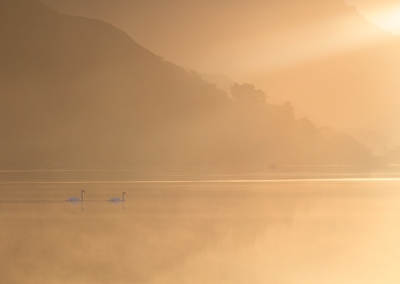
(72,199)
(117,199)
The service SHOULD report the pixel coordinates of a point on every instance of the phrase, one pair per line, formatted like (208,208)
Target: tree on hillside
(247,93)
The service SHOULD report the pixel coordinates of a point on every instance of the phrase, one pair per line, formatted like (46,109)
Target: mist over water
(315,230)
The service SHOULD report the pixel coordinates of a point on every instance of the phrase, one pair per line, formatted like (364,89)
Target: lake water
(281,227)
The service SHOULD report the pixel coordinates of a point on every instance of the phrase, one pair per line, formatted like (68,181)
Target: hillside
(321,55)
(73,87)
(79,93)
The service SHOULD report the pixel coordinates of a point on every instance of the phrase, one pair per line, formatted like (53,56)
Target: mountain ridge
(272,43)
(82,94)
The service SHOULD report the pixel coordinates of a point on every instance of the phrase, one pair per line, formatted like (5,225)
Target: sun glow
(389,20)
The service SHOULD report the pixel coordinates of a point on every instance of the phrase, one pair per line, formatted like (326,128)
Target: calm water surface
(314,230)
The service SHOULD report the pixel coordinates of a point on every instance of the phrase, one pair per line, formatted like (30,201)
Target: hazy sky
(385,13)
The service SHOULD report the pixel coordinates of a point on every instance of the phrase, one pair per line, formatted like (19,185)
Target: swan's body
(75,199)
(117,199)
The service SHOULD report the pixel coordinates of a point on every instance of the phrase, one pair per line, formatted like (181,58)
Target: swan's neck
(123,196)
(82,195)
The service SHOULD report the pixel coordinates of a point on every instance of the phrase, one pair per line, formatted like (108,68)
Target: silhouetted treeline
(79,93)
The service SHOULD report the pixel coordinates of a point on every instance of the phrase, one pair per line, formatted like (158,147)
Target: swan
(72,199)
(117,199)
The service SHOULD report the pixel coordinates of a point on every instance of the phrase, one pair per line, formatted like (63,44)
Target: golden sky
(384,13)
